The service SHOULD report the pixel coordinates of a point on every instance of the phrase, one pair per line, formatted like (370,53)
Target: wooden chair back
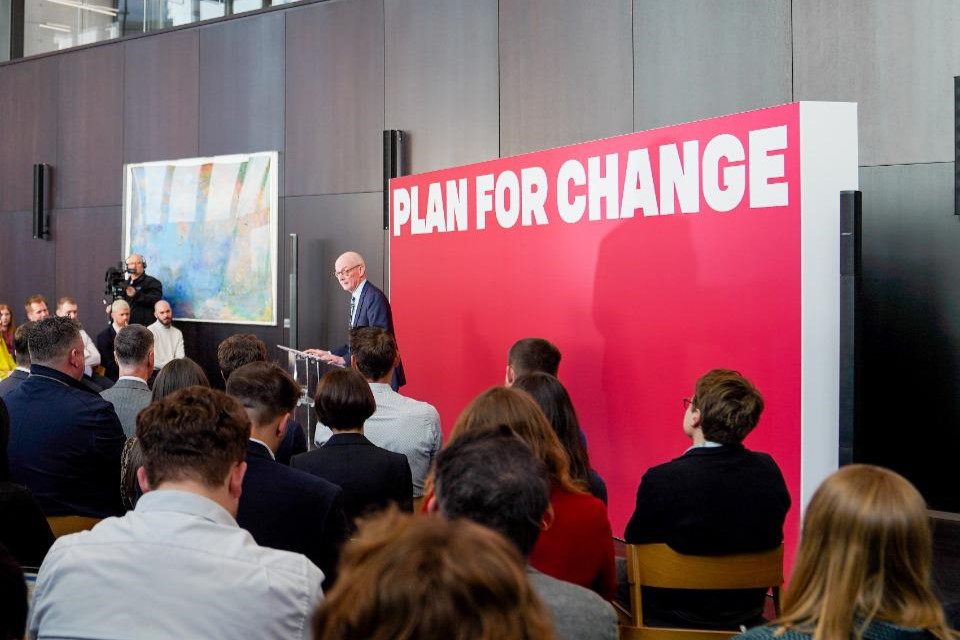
(63,525)
(657,565)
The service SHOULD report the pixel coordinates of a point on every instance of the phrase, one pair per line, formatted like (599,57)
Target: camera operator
(142,291)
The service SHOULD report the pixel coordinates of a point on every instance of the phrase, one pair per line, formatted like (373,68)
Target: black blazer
(291,510)
(65,443)
(371,477)
(11,382)
(105,346)
(294,442)
(149,292)
(710,501)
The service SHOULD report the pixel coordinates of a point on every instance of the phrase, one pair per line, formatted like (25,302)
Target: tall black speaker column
(394,166)
(41,201)
(850,334)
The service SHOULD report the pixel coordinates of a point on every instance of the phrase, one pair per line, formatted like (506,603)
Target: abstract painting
(207,228)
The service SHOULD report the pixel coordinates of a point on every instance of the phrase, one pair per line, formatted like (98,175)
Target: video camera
(116,282)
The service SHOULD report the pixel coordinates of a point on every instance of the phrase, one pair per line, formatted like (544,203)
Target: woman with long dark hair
(555,402)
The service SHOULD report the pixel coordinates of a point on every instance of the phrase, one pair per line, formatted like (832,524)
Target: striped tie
(353,304)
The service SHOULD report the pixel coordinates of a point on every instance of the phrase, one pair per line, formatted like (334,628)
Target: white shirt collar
(137,378)
(265,446)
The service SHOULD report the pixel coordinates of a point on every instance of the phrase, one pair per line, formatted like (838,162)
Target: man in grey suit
(492,477)
(133,350)
(21,353)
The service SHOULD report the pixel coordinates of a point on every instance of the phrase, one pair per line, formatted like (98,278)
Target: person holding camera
(142,291)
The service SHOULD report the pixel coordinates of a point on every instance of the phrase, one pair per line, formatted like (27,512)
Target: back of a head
(865,552)
(177,374)
(344,400)
(553,399)
(21,343)
(416,578)
(729,405)
(195,433)
(51,339)
(375,350)
(265,390)
(490,476)
(517,410)
(133,344)
(534,354)
(238,350)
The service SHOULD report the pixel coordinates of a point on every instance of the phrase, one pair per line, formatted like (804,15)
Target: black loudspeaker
(394,166)
(956,145)
(42,174)
(851,213)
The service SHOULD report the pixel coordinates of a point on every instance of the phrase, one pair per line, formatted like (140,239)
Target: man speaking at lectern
(369,307)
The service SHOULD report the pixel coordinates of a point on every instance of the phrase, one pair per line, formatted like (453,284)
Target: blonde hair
(864,555)
(518,410)
(429,578)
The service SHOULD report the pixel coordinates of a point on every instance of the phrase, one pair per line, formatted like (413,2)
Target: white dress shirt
(176,567)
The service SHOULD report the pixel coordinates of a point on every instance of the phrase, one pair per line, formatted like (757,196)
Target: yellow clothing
(7,363)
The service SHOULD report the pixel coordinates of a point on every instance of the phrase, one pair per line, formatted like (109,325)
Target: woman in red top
(576,544)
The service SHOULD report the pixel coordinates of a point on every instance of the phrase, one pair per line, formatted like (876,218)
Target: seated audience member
(283,508)
(492,478)
(400,424)
(133,351)
(168,340)
(414,578)
(178,566)
(36,308)
(13,595)
(244,348)
(21,353)
(8,326)
(531,355)
(863,565)
(577,546)
(178,374)
(23,527)
(718,498)
(65,440)
(67,306)
(555,402)
(371,477)
(120,316)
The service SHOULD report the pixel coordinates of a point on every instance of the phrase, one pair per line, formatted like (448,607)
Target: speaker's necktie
(353,305)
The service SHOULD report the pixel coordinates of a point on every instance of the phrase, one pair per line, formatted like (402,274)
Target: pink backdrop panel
(639,306)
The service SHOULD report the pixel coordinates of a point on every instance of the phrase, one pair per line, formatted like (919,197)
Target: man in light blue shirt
(178,566)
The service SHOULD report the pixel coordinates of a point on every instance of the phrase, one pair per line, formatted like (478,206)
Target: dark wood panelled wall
(471,80)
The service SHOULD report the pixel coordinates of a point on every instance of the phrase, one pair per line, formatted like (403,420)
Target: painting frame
(195,220)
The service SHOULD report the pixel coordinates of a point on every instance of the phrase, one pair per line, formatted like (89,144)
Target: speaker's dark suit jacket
(105,346)
(371,477)
(12,381)
(291,510)
(373,310)
(710,501)
(294,442)
(65,444)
